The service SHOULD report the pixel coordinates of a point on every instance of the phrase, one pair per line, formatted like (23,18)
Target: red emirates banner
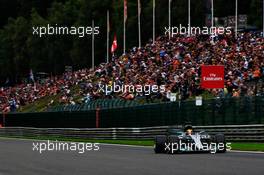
(213,77)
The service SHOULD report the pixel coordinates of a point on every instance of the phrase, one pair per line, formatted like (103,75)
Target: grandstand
(174,63)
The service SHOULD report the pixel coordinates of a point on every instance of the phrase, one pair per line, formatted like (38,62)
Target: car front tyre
(159,146)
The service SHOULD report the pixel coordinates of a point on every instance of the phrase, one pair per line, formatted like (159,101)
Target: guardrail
(248,133)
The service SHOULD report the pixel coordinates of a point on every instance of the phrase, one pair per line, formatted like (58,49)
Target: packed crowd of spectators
(174,63)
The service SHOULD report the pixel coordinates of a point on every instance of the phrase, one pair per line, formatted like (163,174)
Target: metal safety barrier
(248,133)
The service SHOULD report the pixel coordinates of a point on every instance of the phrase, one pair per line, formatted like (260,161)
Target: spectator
(174,63)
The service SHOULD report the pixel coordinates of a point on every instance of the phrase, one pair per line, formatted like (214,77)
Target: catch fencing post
(4,116)
(97,117)
(1,123)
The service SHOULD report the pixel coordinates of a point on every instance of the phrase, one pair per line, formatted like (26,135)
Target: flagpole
(154,7)
(124,49)
(139,25)
(93,44)
(124,37)
(212,10)
(169,17)
(212,16)
(236,21)
(107,44)
(189,17)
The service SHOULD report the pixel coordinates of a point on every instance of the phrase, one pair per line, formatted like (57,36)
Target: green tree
(13,49)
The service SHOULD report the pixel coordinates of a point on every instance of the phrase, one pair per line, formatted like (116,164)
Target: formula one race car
(186,140)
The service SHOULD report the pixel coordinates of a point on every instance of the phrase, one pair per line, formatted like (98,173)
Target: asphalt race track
(17,158)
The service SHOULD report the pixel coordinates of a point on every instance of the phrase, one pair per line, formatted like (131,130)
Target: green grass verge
(248,146)
(235,145)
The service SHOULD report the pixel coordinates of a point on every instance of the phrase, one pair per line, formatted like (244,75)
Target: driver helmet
(188,129)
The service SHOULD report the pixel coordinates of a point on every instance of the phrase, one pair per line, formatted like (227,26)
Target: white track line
(255,152)
(137,146)
(121,145)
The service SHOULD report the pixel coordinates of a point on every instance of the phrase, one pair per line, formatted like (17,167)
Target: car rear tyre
(220,139)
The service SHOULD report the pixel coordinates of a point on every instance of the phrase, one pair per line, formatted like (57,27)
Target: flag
(31,75)
(125,10)
(114,45)
(7,81)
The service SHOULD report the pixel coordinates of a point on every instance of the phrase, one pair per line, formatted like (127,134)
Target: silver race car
(185,140)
